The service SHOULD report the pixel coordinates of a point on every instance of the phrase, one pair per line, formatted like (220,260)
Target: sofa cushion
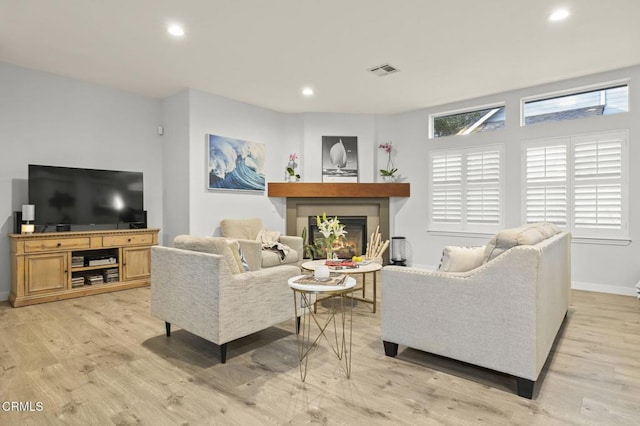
(245,229)
(461,259)
(529,234)
(272,258)
(213,245)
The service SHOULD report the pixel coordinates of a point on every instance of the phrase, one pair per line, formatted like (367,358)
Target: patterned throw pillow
(244,262)
(238,255)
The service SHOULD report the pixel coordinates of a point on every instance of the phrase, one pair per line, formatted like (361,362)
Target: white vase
(293,179)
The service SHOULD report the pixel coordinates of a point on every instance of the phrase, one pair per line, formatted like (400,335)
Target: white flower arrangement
(331,229)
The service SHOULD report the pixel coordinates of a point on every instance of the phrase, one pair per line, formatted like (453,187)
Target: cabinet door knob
(129,240)
(59,244)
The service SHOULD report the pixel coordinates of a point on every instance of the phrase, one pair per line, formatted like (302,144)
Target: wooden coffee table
(364,269)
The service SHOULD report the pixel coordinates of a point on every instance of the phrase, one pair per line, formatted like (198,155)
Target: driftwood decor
(375,246)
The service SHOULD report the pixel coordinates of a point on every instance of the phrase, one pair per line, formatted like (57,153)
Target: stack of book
(77,261)
(77,281)
(341,264)
(110,275)
(93,279)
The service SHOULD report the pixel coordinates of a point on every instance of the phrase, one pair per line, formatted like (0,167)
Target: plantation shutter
(446,178)
(580,183)
(483,187)
(466,189)
(546,184)
(598,187)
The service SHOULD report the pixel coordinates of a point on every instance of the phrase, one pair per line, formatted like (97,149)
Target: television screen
(65,195)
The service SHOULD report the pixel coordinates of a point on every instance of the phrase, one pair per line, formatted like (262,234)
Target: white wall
(211,114)
(283,134)
(594,266)
(175,166)
(52,120)
(49,119)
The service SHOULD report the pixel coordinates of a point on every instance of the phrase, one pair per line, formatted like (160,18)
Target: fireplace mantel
(308,199)
(338,190)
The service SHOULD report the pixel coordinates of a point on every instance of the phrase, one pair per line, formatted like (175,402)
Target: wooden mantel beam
(338,190)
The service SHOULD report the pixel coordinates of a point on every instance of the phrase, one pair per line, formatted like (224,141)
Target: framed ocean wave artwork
(235,164)
(340,159)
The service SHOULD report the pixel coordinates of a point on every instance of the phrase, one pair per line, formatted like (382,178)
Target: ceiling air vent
(382,70)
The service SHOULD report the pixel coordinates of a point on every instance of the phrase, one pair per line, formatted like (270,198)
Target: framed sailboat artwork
(340,159)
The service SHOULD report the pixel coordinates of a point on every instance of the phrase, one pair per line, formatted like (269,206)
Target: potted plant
(332,230)
(291,175)
(388,174)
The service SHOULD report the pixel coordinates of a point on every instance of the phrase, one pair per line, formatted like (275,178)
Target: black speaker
(17,222)
(140,225)
(63,227)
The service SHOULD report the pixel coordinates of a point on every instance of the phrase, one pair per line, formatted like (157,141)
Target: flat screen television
(74,196)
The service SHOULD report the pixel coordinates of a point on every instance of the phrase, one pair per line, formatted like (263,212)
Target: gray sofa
(200,286)
(503,315)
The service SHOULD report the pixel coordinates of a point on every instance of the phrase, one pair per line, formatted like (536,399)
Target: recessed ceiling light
(307,91)
(175,30)
(559,15)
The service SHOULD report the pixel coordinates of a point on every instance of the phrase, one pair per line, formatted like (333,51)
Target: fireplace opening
(352,244)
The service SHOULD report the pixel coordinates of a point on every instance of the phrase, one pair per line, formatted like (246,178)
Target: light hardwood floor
(105,360)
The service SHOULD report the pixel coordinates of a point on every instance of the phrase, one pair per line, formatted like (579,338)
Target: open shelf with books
(94,267)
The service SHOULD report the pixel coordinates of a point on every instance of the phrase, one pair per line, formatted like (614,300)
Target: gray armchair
(200,287)
(245,231)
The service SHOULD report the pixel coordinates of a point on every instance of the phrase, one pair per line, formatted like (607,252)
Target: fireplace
(352,244)
(306,199)
(376,211)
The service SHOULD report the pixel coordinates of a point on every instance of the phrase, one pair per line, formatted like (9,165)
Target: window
(578,183)
(481,119)
(466,189)
(611,99)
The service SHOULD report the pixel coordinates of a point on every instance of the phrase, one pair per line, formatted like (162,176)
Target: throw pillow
(238,255)
(243,229)
(461,259)
(529,234)
(245,264)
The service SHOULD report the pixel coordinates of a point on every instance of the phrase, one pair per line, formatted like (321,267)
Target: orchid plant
(390,170)
(292,165)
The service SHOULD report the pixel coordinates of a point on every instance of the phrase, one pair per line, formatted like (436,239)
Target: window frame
(573,91)
(464,226)
(572,182)
(476,108)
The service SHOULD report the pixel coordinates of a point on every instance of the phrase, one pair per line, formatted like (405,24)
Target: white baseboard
(603,288)
(576,285)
